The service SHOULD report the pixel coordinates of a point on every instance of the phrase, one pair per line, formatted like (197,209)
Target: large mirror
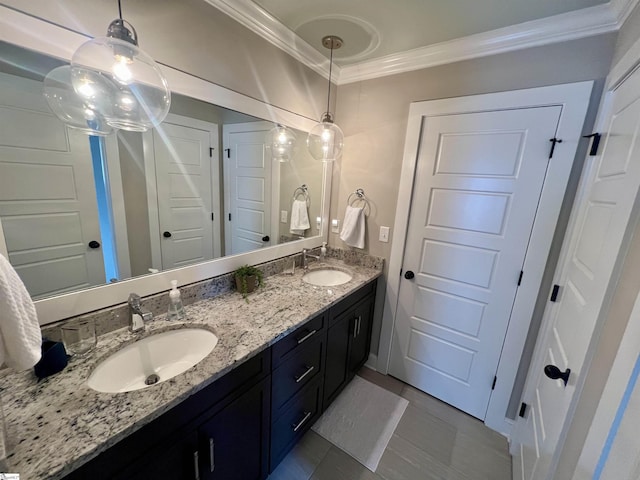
(79,211)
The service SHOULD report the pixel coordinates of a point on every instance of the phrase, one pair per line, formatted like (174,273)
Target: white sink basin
(326,277)
(152,360)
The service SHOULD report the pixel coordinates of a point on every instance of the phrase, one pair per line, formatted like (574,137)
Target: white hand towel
(299,217)
(352,232)
(20,336)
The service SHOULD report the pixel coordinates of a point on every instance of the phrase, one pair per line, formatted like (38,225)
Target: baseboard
(372,362)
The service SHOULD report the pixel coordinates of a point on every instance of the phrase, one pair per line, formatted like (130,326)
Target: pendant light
(326,139)
(69,107)
(120,81)
(280,142)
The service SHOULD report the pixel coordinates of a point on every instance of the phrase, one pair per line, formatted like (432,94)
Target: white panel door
(478,181)
(599,224)
(248,178)
(184,189)
(48,203)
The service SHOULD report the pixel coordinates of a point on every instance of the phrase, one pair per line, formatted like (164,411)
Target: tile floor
(433,441)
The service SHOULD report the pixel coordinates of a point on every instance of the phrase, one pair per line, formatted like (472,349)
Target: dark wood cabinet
(348,342)
(241,426)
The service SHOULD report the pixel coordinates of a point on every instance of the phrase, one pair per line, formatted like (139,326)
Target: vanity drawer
(296,372)
(303,335)
(300,413)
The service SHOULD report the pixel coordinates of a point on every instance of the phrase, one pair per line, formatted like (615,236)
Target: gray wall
(373,115)
(195,37)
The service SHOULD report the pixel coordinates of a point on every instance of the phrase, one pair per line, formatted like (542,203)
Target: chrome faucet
(137,315)
(305,256)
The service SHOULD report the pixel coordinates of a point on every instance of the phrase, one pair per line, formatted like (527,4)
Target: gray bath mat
(361,421)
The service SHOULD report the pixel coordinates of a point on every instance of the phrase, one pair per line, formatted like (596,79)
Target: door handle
(212,458)
(196,466)
(306,336)
(94,244)
(297,426)
(554,373)
(307,372)
(409,275)
(166,234)
(266,238)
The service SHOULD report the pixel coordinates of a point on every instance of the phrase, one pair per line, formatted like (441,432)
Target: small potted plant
(247,279)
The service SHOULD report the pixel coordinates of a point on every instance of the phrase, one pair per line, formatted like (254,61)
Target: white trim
(558,28)
(3,245)
(261,22)
(624,67)
(29,32)
(372,361)
(574,99)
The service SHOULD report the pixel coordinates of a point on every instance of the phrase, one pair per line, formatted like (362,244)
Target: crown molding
(622,9)
(558,28)
(261,22)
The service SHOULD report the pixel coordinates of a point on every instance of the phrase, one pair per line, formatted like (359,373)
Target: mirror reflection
(78,211)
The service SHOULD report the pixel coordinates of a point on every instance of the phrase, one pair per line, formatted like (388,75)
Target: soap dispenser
(323,252)
(176,310)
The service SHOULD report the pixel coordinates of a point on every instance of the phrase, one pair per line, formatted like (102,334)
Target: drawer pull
(302,422)
(355,327)
(195,465)
(359,324)
(309,370)
(212,458)
(306,337)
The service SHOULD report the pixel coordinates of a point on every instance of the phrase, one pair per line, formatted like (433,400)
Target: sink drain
(152,379)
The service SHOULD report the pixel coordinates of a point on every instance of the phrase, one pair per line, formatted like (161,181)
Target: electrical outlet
(283,216)
(384,234)
(335,225)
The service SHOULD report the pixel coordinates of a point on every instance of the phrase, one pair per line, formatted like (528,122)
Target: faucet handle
(134,300)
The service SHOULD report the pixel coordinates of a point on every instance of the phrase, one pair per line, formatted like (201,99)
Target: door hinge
(554,293)
(553,141)
(595,143)
(212,219)
(493,385)
(211,149)
(523,410)
(228,150)
(229,217)
(400,272)
(520,278)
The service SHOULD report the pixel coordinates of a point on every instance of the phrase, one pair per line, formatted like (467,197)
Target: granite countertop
(56,425)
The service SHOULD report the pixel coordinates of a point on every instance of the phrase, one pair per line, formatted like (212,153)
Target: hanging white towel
(299,217)
(352,232)
(20,336)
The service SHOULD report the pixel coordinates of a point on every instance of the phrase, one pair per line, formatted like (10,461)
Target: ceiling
(375,28)
(386,37)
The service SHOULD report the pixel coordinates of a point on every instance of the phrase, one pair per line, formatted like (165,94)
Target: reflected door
(478,182)
(48,203)
(248,178)
(184,176)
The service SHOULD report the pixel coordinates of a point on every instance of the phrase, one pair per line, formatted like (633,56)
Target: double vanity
(275,364)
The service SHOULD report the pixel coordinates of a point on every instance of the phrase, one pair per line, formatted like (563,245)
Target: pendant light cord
(120,9)
(330,69)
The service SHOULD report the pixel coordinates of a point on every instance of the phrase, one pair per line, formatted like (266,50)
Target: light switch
(283,216)
(335,225)
(384,234)
(319,223)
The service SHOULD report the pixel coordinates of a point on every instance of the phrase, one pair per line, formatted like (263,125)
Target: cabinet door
(337,362)
(234,442)
(361,340)
(176,459)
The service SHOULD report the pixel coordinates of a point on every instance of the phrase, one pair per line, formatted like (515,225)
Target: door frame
(574,100)
(152,186)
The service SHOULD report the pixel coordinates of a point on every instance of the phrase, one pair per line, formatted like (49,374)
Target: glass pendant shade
(280,141)
(121,82)
(325,141)
(69,107)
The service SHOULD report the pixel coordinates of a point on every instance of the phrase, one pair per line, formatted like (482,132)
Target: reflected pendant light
(326,139)
(280,142)
(122,83)
(69,107)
